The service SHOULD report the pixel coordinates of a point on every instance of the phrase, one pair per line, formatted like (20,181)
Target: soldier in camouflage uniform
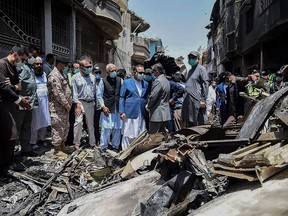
(60,102)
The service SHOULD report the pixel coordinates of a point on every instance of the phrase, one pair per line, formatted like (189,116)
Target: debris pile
(253,162)
(155,175)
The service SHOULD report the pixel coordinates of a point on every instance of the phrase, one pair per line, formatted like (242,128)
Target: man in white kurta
(108,93)
(133,96)
(41,115)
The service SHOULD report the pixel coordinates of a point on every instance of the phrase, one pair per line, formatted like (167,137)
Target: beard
(38,72)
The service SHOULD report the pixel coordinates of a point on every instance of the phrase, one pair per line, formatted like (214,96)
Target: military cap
(63,60)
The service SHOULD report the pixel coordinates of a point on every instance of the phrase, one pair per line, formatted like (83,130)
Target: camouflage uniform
(59,101)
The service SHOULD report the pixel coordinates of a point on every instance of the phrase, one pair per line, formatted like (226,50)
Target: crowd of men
(54,93)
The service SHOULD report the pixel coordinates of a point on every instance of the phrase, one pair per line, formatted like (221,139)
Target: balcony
(140,49)
(138,24)
(122,3)
(106,14)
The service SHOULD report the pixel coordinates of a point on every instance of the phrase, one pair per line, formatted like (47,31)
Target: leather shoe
(17,168)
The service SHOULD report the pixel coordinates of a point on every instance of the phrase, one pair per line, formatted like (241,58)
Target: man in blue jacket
(133,96)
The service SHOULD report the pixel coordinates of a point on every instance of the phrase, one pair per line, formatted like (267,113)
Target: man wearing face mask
(70,138)
(8,101)
(41,115)
(158,101)
(83,85)
(108,94)
(32,56)
(97,73)
(221,94)
(24,117)
(60,102)
(197,85)
(133,96)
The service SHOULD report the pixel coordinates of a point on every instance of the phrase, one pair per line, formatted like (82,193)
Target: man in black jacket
(9,84)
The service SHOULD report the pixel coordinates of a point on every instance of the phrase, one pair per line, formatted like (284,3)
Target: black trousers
(23,121)
(97,115)
(70,137)
(8,133)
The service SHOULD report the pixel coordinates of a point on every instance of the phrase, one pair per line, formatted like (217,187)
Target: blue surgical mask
(148,78)
(192,62)
(76,71)
(88,70)
(65,70)
(153,76)
(141,76)
(98,76)
(113,74)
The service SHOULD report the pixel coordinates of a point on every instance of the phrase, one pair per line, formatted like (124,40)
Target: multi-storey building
(250,34)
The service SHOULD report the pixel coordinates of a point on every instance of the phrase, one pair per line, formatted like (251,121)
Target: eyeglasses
(98,72)
(140,72)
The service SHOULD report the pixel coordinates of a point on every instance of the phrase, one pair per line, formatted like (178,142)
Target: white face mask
(31,60)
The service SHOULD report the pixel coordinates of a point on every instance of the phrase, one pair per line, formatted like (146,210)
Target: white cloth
(113,121)
(41,115)
(105,138)
(133,127)
(211,99)
(39,134)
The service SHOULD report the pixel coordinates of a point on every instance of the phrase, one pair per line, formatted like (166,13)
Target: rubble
(155,175)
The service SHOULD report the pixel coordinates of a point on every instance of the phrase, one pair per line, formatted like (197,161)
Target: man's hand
(18,87)
(252,77)
(123,116)
(171,101)
(78,110)
(202,104)
(24,103)
(106,111)
(7,81)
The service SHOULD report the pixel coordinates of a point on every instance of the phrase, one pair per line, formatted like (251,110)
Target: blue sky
(179,23)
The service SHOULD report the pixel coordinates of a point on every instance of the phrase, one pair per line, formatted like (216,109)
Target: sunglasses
(140,72)
(98,72)
(86,66)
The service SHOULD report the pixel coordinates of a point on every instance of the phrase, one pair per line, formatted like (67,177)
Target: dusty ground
(250,198)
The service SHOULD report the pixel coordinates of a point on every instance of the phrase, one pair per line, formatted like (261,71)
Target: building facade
(69,28)
(250,34)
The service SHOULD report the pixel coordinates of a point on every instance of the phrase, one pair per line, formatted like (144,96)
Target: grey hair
(109,65)
(38,58)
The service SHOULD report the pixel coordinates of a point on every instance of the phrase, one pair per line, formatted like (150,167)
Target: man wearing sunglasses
(60,102)
(132,105)
(158,101)
(83,86)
